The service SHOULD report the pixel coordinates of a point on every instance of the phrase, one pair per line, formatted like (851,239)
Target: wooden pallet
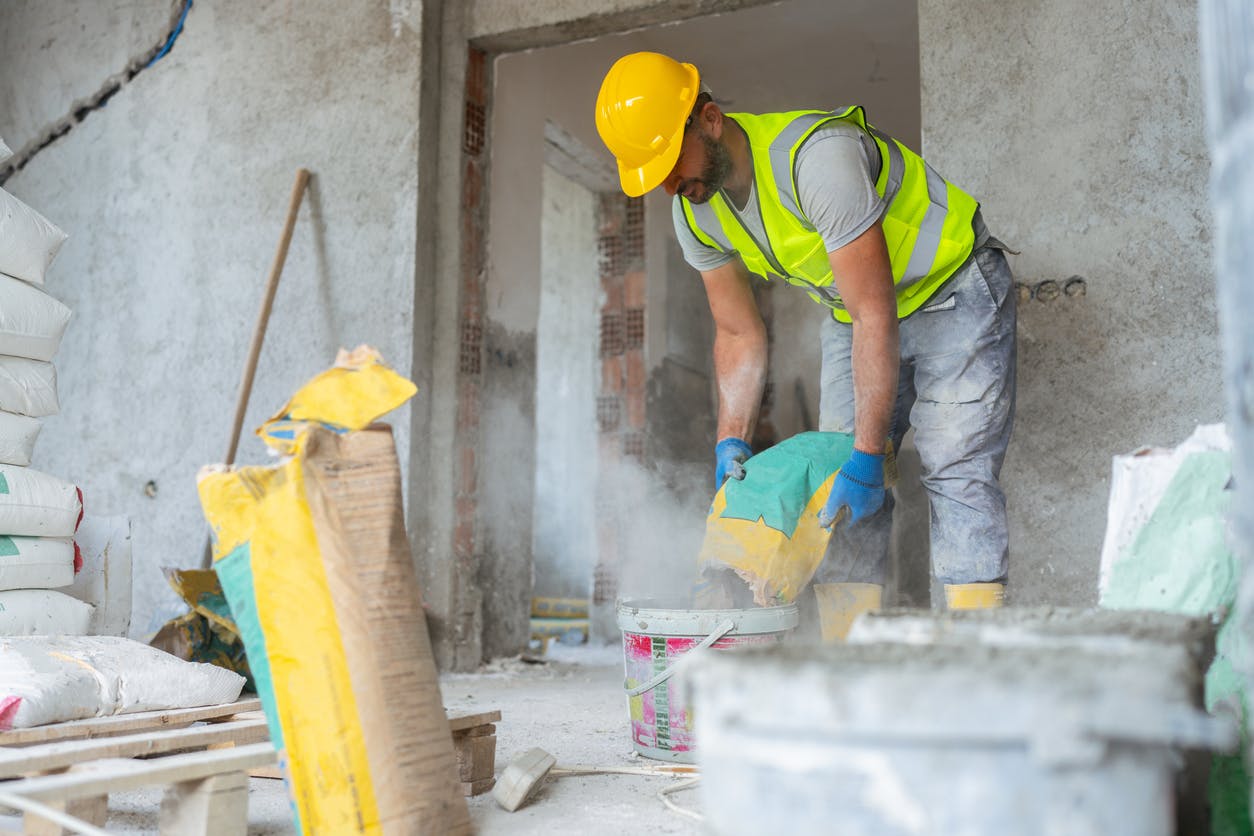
(202,755)
(127,723)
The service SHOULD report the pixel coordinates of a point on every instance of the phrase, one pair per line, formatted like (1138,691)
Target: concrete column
(1227,41)
(438,476)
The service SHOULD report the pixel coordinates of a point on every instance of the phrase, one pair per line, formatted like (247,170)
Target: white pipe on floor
(28,805)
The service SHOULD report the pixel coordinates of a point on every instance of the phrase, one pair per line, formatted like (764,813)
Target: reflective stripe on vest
(927,223)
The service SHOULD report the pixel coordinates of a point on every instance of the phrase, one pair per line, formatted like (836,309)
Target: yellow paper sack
(315,564)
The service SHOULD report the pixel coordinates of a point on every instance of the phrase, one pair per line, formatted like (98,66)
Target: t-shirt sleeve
(835,186)
(697,254)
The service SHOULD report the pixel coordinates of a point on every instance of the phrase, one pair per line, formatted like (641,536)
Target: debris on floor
(474,744)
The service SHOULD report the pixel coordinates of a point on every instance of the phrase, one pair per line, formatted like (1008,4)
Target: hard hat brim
(646,178)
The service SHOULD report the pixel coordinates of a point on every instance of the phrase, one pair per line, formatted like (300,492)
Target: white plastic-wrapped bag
(104,581)
(28,387)
(17,438)
(51,679)
(1139,480)
(36,562)
(34,504)
(31,321)
(30,240)
(42,612)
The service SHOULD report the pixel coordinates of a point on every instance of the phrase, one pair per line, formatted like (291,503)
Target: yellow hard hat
(644,102)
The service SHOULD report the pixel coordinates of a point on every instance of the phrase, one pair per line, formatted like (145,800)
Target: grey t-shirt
(834,185)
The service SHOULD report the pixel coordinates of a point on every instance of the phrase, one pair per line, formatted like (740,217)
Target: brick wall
(621,402)
(470,364)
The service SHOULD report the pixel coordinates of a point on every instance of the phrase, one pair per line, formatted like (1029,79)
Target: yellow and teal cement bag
(315,564)
(765,527)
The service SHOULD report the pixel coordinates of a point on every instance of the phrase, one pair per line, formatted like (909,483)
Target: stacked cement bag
(38,513)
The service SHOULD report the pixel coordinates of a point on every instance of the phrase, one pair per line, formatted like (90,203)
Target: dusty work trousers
(957,389)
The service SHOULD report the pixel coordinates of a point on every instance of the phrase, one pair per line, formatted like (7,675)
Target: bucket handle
(719,631)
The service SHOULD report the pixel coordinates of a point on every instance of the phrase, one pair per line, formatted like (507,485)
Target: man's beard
(717,166)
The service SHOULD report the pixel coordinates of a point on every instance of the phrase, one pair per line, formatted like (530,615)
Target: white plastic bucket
(902,739)
(653,640)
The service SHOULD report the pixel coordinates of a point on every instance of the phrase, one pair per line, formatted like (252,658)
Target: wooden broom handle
(259,333)
(263,316)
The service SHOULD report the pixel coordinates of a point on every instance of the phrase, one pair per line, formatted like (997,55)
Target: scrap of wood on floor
(474,743)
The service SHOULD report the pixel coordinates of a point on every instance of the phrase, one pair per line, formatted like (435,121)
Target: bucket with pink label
(654,639)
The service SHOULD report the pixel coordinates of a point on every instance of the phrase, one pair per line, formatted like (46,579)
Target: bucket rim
(641,616)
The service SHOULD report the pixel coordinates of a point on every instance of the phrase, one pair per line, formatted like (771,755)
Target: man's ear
(712,119)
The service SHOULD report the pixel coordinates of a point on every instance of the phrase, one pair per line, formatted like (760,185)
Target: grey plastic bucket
(876,739)
(655,638)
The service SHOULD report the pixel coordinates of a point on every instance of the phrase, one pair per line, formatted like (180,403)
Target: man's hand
(859,487)
(729,456)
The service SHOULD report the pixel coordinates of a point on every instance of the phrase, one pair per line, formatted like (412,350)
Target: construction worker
(920,310)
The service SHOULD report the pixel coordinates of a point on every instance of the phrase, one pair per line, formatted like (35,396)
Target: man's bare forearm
(740,371)
(876,359)
(864,276)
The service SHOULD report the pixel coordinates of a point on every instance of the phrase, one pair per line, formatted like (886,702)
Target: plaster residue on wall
(1052,138)
(81,107)
(173,195)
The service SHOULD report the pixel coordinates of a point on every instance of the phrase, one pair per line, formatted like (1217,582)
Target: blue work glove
(730,455)
(858,487)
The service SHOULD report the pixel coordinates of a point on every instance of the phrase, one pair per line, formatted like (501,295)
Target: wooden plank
(130,775)
(477,731)
(239,715)
(92,809)
(469,721)
(213,806)
(120,723)
(271,772)
(470,788)
(14,762)
(476,757)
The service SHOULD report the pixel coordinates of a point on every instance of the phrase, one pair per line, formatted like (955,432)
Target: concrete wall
(174,196)
(567,369)
(1079,127)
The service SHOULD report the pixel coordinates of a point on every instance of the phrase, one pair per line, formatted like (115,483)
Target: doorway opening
(625,356)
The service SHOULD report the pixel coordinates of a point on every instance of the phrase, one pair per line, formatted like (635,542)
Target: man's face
(701,169)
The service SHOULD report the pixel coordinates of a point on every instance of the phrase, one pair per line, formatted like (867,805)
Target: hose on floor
(29,805)
(686,784)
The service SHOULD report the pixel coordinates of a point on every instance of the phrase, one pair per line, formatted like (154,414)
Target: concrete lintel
(507,26)
(566,154)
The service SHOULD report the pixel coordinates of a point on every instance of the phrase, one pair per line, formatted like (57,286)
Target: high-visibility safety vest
(927,224)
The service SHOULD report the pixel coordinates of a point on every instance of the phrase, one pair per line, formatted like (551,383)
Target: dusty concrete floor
(571,705)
